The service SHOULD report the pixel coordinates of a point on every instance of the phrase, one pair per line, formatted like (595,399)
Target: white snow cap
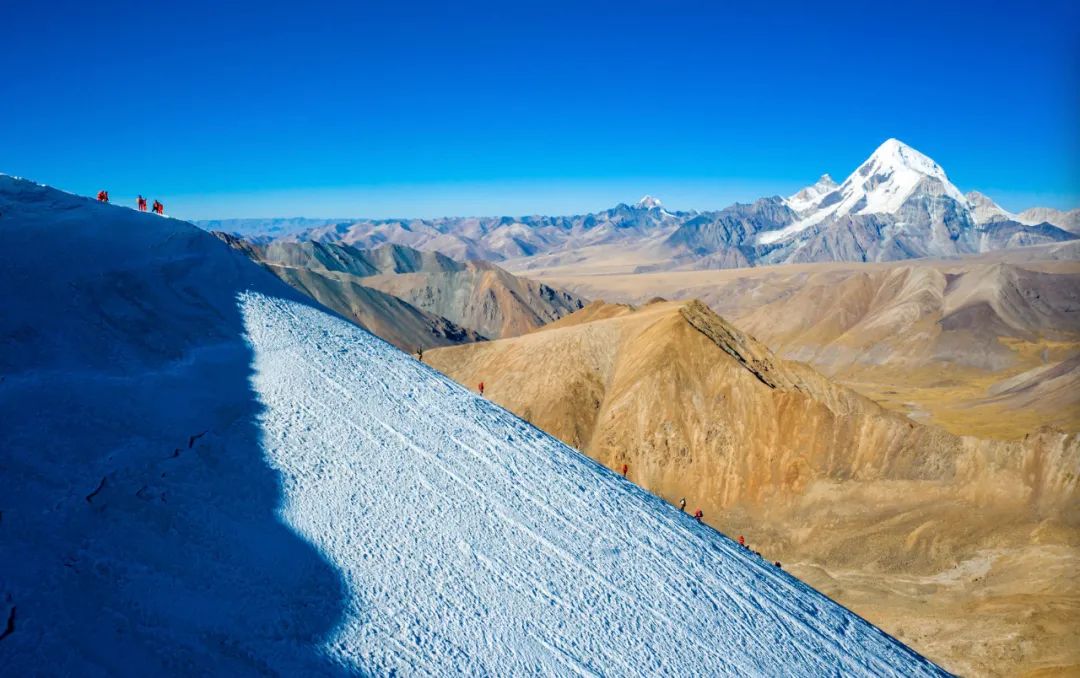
(649,202)
(881,185)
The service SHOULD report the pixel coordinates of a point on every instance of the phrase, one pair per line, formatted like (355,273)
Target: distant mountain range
(897,205)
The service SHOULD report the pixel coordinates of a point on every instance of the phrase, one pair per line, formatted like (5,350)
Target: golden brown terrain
(985,345)
(964,548)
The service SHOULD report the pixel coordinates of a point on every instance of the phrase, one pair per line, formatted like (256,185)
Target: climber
(625,468)
(777,563)
(698,515)
(420,354)
(682,505)
(159,208)
(141,203)
(481,387)
(742,541)
(103,196)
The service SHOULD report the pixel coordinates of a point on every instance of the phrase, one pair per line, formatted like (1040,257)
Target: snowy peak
(892,175)
(895,155)
(648,202)
(811,196)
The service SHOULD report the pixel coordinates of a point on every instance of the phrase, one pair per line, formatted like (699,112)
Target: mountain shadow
(142,530)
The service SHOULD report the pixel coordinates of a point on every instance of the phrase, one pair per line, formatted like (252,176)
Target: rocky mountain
(904,523)
(411,298)
(899,204)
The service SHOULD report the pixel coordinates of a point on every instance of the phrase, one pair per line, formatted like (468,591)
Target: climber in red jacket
(698,515)
(141,202)
(103,196)
(159,208)
(481,387)
(625,468)
(742,541)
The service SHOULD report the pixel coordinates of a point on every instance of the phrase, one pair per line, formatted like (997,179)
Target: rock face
(413,299)
(769,447)
(897,205)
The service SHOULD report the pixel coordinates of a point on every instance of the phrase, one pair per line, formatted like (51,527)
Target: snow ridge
(474,543)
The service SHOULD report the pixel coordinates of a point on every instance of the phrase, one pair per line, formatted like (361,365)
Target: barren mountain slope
(888,513)
(483,297)
(331,275)
(928,338)
(464,300)
(382,314)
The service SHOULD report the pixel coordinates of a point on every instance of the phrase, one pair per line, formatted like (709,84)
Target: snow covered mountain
(204,473)
(898,204)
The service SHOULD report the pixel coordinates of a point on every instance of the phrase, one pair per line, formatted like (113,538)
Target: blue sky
(417,109)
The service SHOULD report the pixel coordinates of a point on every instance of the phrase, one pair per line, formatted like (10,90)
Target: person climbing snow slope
(103,196)
(141,203)
(159,208)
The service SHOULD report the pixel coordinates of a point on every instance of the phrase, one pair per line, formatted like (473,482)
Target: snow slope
(203,473)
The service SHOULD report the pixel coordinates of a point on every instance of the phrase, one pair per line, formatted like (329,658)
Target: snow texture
(203,473)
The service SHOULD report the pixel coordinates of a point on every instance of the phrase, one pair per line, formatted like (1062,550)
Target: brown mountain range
(413,299)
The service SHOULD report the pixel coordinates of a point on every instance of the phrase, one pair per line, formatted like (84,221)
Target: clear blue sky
(417,109)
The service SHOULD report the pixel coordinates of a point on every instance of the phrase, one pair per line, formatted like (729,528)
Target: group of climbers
(140,203)
(699,515)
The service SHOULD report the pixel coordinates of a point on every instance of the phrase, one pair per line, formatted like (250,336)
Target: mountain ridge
(898,204)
